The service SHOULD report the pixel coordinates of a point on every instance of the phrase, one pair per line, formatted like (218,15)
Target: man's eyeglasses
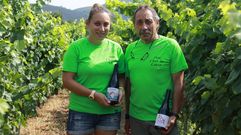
(145,56)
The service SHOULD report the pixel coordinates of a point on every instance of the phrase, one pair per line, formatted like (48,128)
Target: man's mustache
(143,32)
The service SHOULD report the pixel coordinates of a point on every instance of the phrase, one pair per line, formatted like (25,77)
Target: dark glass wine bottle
(164,112)
(113,87)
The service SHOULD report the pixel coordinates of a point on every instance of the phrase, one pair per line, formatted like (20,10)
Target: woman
(87,69)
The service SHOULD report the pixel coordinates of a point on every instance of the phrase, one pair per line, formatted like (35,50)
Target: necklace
(145,56)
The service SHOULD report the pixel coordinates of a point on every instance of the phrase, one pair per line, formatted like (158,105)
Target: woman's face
(99,26)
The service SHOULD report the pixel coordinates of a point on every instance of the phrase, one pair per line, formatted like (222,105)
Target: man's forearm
(178,95)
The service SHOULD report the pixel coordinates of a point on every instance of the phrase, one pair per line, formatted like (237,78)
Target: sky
(73,4)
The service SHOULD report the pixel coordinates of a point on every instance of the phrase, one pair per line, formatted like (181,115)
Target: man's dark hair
(146,7)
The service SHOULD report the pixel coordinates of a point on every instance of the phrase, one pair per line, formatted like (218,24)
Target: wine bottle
(162,117)
(113,87)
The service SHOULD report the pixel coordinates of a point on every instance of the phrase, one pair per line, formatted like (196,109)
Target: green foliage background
(32,44)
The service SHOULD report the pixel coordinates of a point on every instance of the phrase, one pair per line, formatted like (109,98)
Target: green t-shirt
(150,68)
(93,65)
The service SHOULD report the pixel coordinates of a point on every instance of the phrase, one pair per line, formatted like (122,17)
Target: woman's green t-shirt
(93,65)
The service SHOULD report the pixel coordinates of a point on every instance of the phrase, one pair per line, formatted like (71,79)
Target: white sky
(73,4)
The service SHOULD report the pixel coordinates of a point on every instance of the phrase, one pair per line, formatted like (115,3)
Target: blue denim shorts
(80,123)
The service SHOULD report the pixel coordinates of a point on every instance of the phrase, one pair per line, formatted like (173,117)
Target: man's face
(145,25)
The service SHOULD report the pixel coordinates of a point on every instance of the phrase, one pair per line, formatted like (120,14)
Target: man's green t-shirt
(93,65)
(150,68)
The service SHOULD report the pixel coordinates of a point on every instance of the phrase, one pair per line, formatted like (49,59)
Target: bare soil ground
(51,117)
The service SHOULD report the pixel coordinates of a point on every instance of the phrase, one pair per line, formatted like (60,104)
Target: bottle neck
(165,104)
(114,81)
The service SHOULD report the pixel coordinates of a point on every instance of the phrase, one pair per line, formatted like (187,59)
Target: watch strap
(92,95)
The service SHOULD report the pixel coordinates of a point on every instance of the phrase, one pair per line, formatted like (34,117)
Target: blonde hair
(97,8)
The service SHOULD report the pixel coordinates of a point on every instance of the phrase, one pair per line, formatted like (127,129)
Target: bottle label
(161,120)
(112,93)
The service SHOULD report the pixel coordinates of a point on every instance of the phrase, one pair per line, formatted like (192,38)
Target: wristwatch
(92,95)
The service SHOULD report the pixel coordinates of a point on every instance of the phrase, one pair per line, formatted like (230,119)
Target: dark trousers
(139,127)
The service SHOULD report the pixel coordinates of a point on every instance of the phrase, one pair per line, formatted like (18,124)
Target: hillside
(68,14)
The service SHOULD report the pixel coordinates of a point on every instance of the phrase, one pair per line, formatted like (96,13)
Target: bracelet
(127,116)
(174,114)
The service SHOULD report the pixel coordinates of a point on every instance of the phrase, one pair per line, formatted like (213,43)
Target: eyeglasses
(145,56)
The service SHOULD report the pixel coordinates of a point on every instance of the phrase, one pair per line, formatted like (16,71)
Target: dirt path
(51,117)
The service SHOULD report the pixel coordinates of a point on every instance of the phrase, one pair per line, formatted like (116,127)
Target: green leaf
(16,61)
(191,12)
(236,86)
(205,95)
(225,6)
(3,58)
(19,44)
(55,72)
(197,80)
(238,34)
(28,39)
(232,76)
(219,48)
(238,120)
(239,57)
(3,106)
(207,76)
(210,83)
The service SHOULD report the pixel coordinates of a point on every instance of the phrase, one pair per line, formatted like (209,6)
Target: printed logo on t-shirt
(158,63)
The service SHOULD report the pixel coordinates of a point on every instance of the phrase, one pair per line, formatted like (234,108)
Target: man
(154,64)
